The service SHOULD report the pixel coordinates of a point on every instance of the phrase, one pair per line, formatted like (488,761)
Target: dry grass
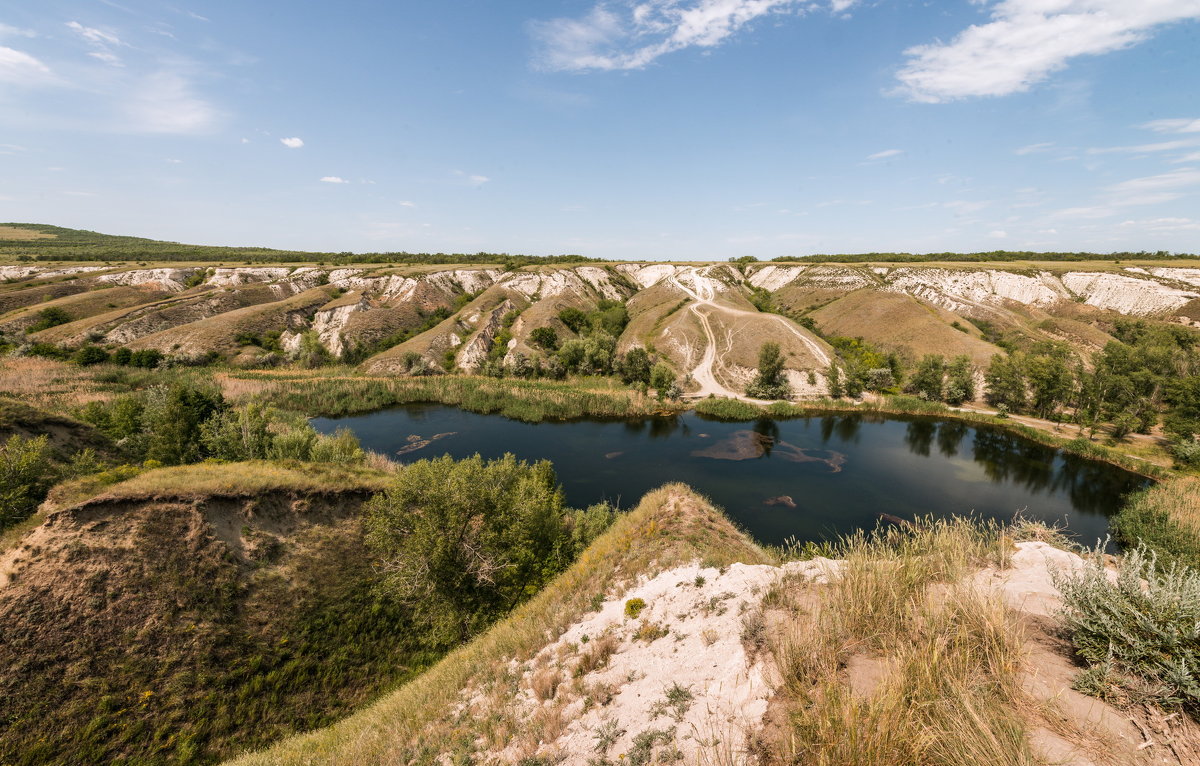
(14,233)
(898,321)
(416,723)
(948,691)
(235,479)
(48,384)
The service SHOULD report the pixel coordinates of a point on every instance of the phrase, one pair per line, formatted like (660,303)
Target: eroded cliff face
(407,296)
(1158,291)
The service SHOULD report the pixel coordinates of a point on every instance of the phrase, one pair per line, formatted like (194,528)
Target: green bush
(26,473)
(49,317)
(464,542)
(1145,625)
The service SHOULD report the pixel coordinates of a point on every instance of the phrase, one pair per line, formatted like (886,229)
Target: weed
(650,632)
(634,607)
(607,734)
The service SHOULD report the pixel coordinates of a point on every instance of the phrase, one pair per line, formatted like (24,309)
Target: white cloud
(245,140)
(884,154)
(7,30)
(630,34)
(1163,224)
(406,203)
(1028,40)
(998,234)
(102,42)
(334,180)
(1162,146)
(1175,179)
(473,180)
(292,143)
(1034,148)
(20,68)
(165,103)
(94,35)
(1173,126)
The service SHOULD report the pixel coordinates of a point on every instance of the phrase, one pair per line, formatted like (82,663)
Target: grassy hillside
(670,526)
(42,242)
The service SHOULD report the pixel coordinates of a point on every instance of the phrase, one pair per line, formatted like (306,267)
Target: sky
(619,129)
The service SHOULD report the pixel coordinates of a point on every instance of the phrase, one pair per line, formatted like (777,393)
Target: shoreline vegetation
(532,401)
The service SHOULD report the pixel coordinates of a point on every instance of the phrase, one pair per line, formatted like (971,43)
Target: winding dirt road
(703,292)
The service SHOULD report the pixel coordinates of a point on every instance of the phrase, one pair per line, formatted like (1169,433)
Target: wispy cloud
(1161,146)
(7,30)
(630,34)
(1034,148)
(1174,126)
(101,42)
(165,102)
(472,179)
(334,180)
(19,68)
(292,143)
(1028,40)
(884,154)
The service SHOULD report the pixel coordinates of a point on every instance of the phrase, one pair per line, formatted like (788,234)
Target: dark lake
(811,478)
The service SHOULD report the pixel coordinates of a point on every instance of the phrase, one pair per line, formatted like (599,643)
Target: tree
(960,381)
(242,434)
(544,337)
(834,377)
(635,367)
(172,420)
(1050,381)
(89,355)
(928,381)
(464,542)
(570,354)
(1005,383)
(662,380)
(573,318)
(770,382)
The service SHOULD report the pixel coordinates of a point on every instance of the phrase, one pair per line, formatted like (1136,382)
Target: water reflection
(809,478)
(919,436)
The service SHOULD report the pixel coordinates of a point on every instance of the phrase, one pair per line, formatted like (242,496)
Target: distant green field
(42,242)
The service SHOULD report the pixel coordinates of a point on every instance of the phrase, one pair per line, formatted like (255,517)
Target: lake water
(810,478)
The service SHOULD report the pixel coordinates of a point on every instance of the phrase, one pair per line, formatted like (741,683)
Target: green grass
(414,724)
(1166,518)
(246,479)
(529,401)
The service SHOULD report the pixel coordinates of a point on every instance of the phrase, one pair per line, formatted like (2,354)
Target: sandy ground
(679,682)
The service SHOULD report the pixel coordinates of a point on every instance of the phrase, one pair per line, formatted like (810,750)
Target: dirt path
(703,293)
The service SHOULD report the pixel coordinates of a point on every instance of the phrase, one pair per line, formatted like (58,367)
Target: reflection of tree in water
(919,436)
(845,427)
(1095,487)
(769,431)
(1006,458)
(661,428)
(950,434)
(634,426)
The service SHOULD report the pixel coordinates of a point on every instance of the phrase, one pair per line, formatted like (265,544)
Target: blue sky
(639,129)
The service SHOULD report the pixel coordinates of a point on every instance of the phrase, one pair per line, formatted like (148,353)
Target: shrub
(545,337)
(342,448)
(634,607)
(463,542)
(25,475)
(1145,624)
(89,355)
(49,317)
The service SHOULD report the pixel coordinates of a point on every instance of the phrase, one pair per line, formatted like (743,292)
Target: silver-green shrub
(1144,623)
